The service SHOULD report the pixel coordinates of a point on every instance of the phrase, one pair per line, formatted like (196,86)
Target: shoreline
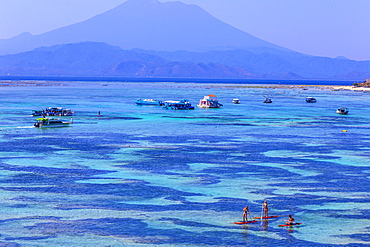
(43,83)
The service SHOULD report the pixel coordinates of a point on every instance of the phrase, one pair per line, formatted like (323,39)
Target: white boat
(267,100)
(310,100)
(51,123)
(342,110)
(236,101)
(149,102)
(209,101)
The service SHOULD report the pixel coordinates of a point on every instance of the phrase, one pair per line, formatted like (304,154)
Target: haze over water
(146,176)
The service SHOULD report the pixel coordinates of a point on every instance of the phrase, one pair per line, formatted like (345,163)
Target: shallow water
(145,176)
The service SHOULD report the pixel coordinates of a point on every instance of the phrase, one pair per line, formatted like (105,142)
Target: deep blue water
(145,176)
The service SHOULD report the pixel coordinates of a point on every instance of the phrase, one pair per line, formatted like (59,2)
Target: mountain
(149,25)
(100,59)
(270,65)
(148,38)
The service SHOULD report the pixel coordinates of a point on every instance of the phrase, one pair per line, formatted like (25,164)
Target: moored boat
(178,105)
(236,101)
(53,111)
(51,123)
(149,102)
(342,110)
(311,100)
(209,101)
(267,100)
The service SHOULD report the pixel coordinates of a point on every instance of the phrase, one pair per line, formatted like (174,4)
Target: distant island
(184,42)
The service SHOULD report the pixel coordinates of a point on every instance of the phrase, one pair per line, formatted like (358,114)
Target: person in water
(290,220)
(265,209)
(245,214)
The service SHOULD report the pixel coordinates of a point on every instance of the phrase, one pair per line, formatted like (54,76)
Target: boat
(178,105)
(236,101)
(37,112)
(51,123)
(209,101)
(310,100)
(149,102)
(267,100)
(53,111)
(342,110)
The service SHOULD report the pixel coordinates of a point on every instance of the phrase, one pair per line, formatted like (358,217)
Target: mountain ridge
(152,38)
(146,24)
(101,59)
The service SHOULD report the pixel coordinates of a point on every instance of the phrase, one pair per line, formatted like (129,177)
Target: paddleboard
(245,222)
(266,217)
(294,224)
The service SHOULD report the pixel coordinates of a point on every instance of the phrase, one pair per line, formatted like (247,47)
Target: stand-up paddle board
(245,222)
(266,217)
(294,224)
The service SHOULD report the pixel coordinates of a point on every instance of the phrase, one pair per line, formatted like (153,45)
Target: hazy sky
(318,27)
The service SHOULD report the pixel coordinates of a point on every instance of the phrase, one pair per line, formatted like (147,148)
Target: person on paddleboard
(245,213)
(265,209)
(290,220)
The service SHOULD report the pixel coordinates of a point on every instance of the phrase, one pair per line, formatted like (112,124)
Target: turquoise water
(145,176)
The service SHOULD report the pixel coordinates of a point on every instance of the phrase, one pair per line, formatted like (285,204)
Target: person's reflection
(264,224)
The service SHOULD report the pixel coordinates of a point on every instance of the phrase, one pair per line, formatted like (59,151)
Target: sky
(327,28)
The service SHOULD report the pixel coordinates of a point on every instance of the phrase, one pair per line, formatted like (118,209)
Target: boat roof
(46,119)
(172,101)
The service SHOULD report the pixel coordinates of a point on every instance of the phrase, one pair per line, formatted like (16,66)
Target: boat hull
(204,106)
(53,126)
(149,102)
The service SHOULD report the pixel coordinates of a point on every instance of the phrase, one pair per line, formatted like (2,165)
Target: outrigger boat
(51,123)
